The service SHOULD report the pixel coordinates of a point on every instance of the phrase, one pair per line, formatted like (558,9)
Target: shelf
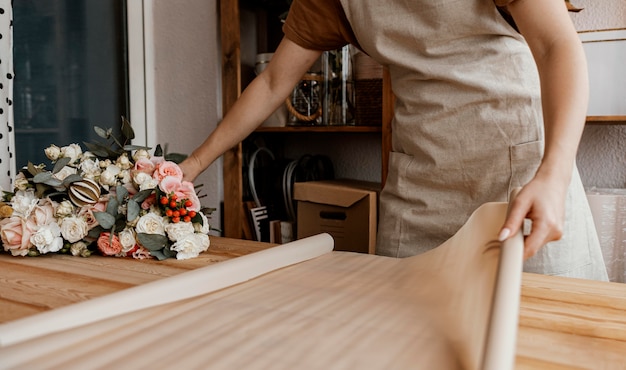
(606,120)
(303,129)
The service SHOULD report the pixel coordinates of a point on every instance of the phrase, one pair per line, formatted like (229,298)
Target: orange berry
(188,203)
(192,214)
(176,214)
(175,219)
(186,218)
(164,200)
(169,212)
(172,204)
(183,212)
(174,196)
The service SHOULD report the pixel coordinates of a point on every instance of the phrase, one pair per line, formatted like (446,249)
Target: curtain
(7,140)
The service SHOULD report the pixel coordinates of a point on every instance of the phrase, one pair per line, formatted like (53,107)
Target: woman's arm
(260,99)
(560,59)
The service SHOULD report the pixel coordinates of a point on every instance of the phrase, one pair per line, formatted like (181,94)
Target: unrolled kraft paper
(302,306)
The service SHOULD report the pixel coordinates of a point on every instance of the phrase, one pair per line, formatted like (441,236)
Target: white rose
(151,223)
(21,183)
(109,176)
(52,152)
(123,162)
(65,172)
(141,153)
(127,239)
(177,231)
(78,248)
(90,168)
(105,163)
(144,181)
(124,177)
(47,238)
(191,246)
(72,151)
(74,228)
(205,227)
(64,209)
(23,202)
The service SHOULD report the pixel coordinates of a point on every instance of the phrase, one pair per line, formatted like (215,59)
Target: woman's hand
(542,201)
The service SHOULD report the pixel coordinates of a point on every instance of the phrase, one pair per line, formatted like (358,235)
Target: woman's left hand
(542,201)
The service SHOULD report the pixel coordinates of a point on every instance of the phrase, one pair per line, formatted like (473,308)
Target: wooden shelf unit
(234,216)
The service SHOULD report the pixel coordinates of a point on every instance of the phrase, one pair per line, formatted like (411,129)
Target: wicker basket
(369,102)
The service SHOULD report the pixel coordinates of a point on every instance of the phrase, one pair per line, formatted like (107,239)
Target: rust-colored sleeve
(318,25)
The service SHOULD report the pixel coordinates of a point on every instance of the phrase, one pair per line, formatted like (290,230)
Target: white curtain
(7,139)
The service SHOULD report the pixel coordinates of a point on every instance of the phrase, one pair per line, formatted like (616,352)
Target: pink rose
(148,202)
(167,168)
(169,185)
(144,165)
(86,212)
(109,246)
(187,191)
(43,213)
(15,233)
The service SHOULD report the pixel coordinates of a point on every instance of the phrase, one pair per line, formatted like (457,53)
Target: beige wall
(187,83)
(602,152)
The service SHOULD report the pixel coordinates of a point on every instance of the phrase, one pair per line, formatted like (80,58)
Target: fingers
(545,218)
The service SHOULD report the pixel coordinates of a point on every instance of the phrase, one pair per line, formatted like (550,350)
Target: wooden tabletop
(564,323)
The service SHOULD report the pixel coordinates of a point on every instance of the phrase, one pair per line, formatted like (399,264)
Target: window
(70,72)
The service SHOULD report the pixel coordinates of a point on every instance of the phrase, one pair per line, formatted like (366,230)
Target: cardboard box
(346,209)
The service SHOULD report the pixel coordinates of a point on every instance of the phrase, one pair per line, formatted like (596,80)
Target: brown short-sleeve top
(323,25)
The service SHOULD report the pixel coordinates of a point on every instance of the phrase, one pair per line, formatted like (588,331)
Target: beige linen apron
(467,126)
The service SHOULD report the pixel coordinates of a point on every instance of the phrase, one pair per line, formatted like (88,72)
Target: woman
(482,106)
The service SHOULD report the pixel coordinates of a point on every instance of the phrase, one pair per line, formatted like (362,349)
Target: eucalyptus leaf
(53,182)
(133,210)
(97,149)
(121,192)
(42,177)
(112,207)
(40,190)
(127,129)
(33,170)
(129,147)
(101,132)
(142,195)
(158,151)
(95,232)
(168,252)
(72,178)
(62,162)
(153,242)
(104,219)
(158,255)
(175,157)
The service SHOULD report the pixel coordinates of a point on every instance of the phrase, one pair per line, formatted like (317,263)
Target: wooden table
(564,323)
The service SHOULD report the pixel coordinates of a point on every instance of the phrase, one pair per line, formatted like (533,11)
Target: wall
(602,155)
(187,85)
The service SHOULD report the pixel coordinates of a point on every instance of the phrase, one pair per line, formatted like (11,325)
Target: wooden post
(231,88)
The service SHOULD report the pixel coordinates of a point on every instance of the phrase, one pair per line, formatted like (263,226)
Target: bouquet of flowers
(114,199)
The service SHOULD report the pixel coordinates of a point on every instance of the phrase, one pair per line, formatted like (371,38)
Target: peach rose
(109,246)
(15,233)
(167,168)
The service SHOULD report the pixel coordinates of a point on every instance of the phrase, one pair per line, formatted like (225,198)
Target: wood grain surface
(564,323)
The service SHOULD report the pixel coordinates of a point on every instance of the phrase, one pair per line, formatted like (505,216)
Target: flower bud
(53,152)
